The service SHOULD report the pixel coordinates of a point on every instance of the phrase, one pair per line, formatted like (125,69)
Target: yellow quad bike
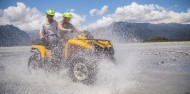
(80,55)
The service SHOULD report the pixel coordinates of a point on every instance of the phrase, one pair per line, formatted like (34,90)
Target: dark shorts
(49,42)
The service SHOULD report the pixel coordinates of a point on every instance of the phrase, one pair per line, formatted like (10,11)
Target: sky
(29,14)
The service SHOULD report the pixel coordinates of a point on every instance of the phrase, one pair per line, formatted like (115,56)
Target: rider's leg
(61,46)
(53,40)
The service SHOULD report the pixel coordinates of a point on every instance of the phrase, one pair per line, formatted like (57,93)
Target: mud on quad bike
(80,55)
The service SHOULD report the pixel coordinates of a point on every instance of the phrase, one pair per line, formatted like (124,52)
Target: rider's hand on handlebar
(42,38)
(70,30)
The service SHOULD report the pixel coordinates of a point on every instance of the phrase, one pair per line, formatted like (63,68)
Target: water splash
(15,77)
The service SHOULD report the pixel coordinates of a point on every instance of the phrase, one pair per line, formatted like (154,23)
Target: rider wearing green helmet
(65,28)
(49,26)
(50,12)
(49,31)
(67,15)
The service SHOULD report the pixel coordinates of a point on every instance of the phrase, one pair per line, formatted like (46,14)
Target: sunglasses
(67,18)
(50,15)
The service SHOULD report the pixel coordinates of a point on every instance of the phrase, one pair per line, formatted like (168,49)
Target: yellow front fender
(41,49)
(82,43)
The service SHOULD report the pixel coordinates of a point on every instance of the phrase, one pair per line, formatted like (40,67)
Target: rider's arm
(79,30)
(63,29)
(42,30)
(57,26)
(41,36)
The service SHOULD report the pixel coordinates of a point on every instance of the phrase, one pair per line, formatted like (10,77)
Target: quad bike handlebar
(85,33)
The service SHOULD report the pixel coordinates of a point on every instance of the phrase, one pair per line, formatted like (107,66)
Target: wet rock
(158,53)
(180,51)
(187,54)
(159,63)
(174,59)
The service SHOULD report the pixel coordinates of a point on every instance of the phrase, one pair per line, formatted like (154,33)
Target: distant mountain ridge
(126,31)
(116,31)
(35,34)
(13,36)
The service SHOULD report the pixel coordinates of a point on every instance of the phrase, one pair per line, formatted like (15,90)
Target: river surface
(143,68)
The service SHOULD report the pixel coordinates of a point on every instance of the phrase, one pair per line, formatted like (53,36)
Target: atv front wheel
(84,71)
(35,62)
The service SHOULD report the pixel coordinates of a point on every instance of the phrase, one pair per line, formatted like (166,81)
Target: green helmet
(50,12)
(68,15)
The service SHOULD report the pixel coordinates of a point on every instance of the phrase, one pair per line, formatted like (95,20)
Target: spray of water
(117,32)
(112,79)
